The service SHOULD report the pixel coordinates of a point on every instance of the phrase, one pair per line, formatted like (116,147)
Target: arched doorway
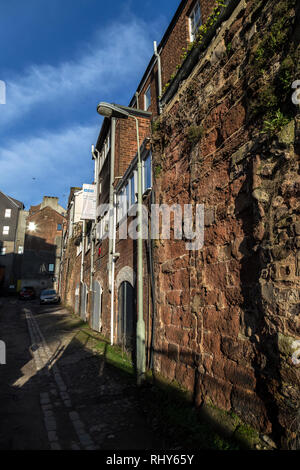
(83,302)
(76,306)
(97,306)
(126,316)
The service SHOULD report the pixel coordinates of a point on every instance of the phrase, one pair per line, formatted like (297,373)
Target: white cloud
(116,55)
(47,164)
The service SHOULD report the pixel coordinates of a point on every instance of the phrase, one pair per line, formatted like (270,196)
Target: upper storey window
(7,213)
(147,98)
(195,21)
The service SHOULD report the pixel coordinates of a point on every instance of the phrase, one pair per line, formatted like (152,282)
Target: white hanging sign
(88,202)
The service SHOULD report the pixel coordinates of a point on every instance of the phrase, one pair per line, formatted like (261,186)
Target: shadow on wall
(261,313)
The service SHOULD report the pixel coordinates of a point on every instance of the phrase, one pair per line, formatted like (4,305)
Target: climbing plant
(202,32)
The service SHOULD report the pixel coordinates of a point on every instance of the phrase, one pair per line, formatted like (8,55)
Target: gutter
(114,259)
(158,77)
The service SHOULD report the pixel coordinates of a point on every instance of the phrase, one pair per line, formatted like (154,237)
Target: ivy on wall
(202,32)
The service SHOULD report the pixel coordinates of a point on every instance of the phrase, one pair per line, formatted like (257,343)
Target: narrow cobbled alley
(55,393)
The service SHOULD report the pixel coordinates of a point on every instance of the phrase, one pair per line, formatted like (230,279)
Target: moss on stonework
(208,425)
(274,122)
(285,344)
(157,170)
(274,38)
(286,73)
(287,134)
(195,133)
(155,125)
(272,99)
(247,435)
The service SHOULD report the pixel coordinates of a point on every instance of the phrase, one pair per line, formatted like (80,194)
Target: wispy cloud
(47,164)
(114,57)
(36,162)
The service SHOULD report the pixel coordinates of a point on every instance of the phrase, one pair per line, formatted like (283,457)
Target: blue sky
(58,60)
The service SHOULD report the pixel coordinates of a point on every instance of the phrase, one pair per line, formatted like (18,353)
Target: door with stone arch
(126,331)
(76,306)
(83,303)
(97,306)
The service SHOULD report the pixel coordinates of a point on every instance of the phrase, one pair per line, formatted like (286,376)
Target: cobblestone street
(57,394)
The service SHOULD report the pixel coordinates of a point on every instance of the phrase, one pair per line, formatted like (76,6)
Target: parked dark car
(49,296)
(27,293)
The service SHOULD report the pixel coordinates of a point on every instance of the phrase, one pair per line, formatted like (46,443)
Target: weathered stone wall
(227,324)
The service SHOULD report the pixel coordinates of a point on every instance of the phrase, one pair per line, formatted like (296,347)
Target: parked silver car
(49,296)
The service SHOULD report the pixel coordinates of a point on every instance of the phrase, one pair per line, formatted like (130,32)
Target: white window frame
(3,251)
(79,249)
(106,146)
(144,189)
(5,230)
(7,214)
(194,26)
(133,187)
(122,202)
(51,264)
(147,98)
(128,195)
(104,226)
(20,250)
(88,239)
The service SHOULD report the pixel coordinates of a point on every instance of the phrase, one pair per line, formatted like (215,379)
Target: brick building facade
(43,244)
(12,231)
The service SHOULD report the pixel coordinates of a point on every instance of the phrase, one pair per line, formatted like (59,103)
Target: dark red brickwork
(172,49)
(70,275)
(42,247)
(126,142)
(46,232)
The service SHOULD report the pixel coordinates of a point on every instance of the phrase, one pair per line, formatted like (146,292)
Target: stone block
(174,297)
(173,352)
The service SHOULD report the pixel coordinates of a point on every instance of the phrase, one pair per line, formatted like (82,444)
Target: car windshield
(48,292)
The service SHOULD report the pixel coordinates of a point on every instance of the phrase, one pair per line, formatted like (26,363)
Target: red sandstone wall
(227,313)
